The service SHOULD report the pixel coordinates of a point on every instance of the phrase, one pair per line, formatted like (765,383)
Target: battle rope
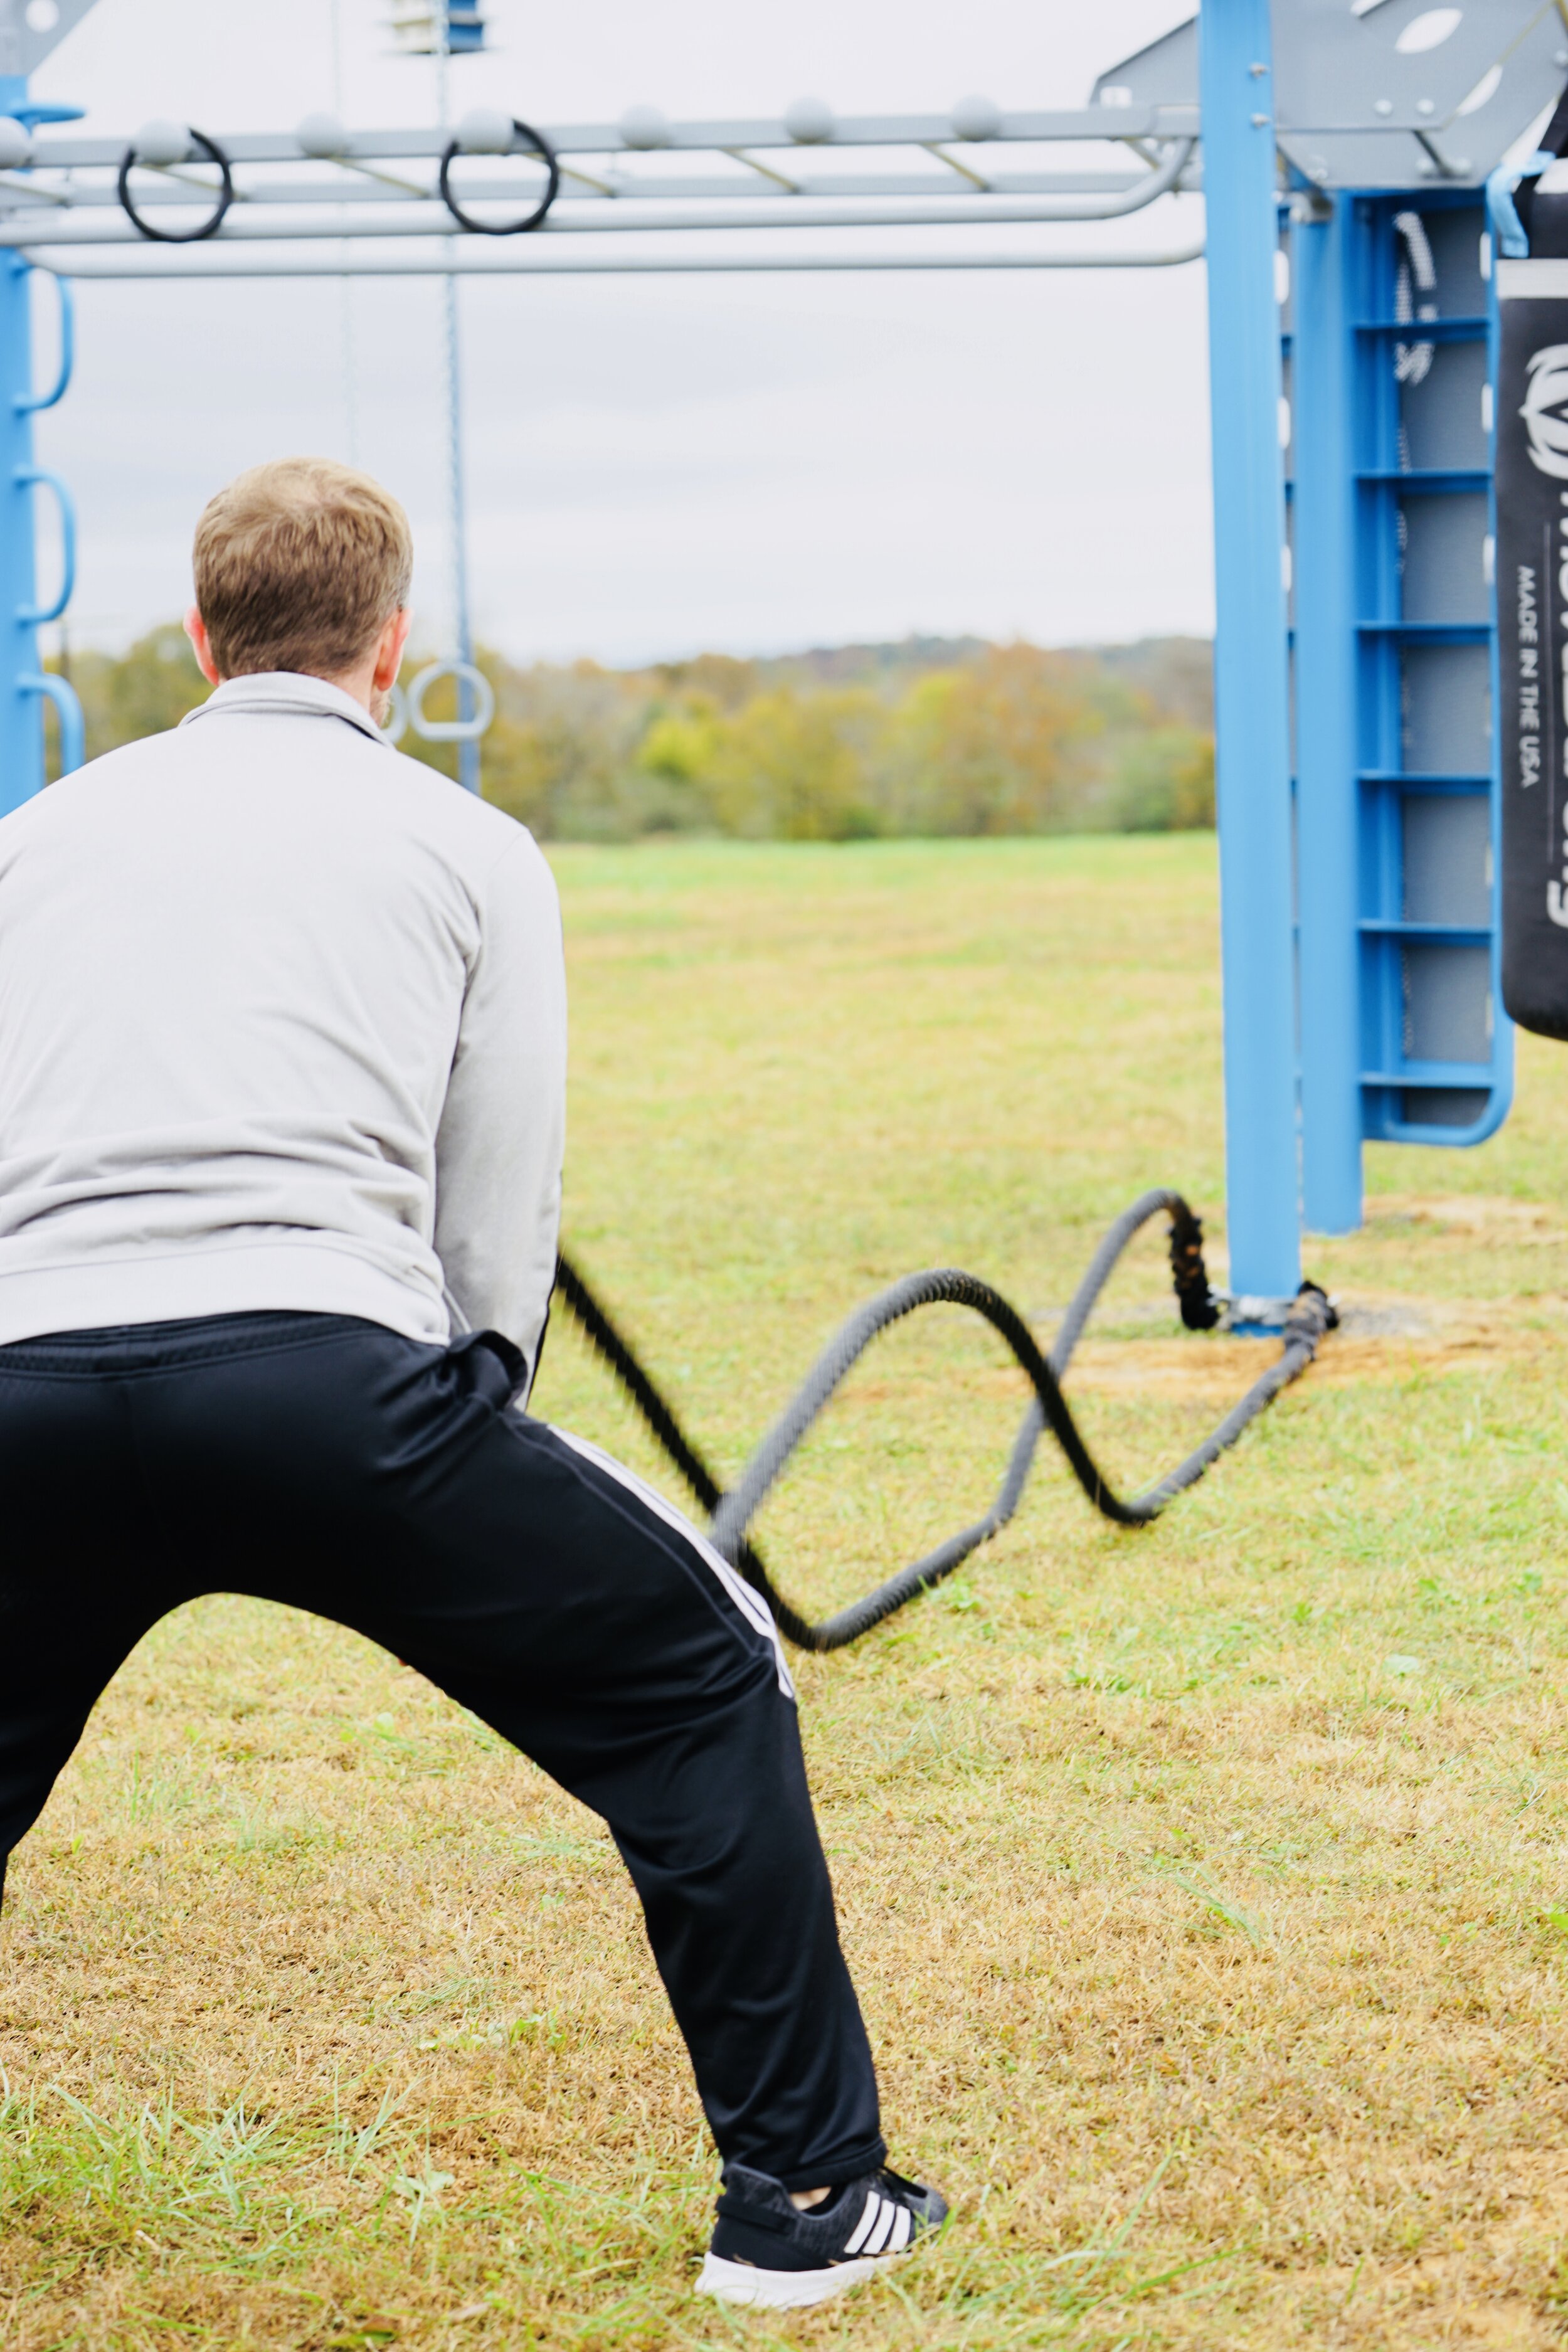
(1309,1317)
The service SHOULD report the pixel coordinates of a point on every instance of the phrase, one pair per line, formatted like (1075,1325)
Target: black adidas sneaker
(766,2251)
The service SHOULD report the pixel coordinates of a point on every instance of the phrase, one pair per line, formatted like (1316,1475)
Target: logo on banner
(1545,410)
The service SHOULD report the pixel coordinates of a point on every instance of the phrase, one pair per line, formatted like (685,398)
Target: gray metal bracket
(1386,95)
(31,30)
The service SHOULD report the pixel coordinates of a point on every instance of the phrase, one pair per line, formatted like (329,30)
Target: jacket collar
(285,694)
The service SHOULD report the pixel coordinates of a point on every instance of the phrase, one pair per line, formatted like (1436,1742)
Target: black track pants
(328,1464)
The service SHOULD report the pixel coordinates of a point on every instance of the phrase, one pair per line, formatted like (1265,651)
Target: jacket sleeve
(502,1132)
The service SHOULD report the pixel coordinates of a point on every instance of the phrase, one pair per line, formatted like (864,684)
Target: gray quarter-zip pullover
(282,1025)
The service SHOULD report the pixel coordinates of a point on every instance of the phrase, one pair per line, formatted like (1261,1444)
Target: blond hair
(299,565)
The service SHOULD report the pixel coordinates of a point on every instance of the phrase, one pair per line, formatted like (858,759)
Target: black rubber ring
(215,154)
(546,154)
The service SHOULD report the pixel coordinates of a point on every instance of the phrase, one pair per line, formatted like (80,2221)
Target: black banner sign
(1532,631)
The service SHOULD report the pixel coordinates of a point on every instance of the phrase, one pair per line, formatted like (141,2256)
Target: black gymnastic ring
(215,154)
(546,154)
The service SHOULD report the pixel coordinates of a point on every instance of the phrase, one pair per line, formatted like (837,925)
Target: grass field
(1207,1887)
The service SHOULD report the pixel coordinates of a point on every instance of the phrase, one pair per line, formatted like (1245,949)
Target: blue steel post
(23,686)
(1327,750)
(1251,658)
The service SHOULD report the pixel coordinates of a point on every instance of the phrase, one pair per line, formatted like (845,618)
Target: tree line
(924,737)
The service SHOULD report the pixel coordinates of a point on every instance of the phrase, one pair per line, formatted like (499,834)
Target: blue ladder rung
(1437,1075)
(1391,927)
(1429,477)
(1467,780)
(1439,633)
(1466,329)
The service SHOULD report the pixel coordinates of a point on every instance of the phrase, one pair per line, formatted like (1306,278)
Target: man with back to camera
(282,1069)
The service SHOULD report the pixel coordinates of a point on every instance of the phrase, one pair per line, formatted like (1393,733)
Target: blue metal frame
(1252,692)
(1389,1074)
(28,478)
(27,403)
(62,694)
(25,686)
(1323,539)
(1354,487)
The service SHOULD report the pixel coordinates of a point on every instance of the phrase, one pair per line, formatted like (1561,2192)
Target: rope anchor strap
(1309,1317)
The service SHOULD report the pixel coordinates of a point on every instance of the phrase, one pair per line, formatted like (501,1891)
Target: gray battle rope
(732,1513)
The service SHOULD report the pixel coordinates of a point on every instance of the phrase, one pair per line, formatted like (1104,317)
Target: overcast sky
(662,465)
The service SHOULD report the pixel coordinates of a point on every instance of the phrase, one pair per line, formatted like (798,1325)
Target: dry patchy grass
(1208,1887)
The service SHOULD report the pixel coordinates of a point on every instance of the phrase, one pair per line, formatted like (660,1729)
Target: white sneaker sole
(783,2290)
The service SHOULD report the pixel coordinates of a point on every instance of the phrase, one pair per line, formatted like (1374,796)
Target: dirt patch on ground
(1477,1215)
(1384,1337)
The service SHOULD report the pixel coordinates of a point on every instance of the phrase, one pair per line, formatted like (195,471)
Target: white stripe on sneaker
(903,2229)
(751,1605)
(884,2229)
(868,2214)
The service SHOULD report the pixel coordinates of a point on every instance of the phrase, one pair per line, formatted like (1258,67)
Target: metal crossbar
(70,198)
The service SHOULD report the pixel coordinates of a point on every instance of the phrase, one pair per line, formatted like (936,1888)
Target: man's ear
(196,630)
(389,651)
